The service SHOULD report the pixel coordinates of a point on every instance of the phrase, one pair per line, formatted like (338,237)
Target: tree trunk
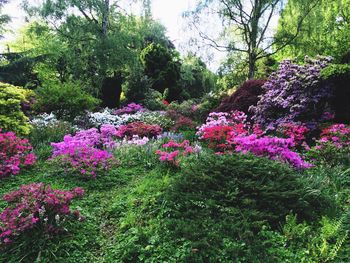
(251,66)
(105,16)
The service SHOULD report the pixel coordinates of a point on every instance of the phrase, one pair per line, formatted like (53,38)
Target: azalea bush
(274,148)
(227,132)
(140,129)
(293,93)
(173,151)
(84,152)
(333,147)
(36,209)
(15,153)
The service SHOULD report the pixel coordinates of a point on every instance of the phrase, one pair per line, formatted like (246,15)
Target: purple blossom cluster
(293,93)
(271,147)
(36,207)
(15,153)
(85,151)
(130,109)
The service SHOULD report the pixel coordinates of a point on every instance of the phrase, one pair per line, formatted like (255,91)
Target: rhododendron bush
(36,207)
(293,93)
(15,153)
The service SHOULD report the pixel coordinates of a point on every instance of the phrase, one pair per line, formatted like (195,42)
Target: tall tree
(247,25)
(100,41)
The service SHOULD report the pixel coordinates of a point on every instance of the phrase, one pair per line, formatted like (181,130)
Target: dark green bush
(66,100)
(338,76)
(213,210)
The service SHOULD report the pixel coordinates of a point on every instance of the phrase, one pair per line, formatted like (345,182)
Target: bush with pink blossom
(15,153)
(36,209)
(173,152)
(140,129)
(85,152)
(333,147)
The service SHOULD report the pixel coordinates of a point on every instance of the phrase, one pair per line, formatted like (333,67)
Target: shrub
(293,93)
(82,152)
(174,152)
(15,153)
(274,148)
(245,96)
(140,129)
(218,204)
(66,100)
(12,117)
(36,209)
(333,147)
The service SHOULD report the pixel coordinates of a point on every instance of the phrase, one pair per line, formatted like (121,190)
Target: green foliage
(41,137)
(162,66)
(336,71)
(325,31)
(196,79)
(66,100)
(12,117)
(212,210)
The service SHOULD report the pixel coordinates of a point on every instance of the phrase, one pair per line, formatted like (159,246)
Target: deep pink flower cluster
(140,129)
(130,109)
(15,153)
(83,152)
(174,151)
(337,134)
(36,207)
(297,132)
(222,119)
(271,147)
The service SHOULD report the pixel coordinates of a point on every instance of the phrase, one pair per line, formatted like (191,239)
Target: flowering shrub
(297,132)
(82,152)
(15,153)
(107,117)
(136,140)
(222,119)
(293,93)
(174,151)
(181,122)
(36,207)
(271,147)
(221,127)
(333,147)
(130,109)
(139,128)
